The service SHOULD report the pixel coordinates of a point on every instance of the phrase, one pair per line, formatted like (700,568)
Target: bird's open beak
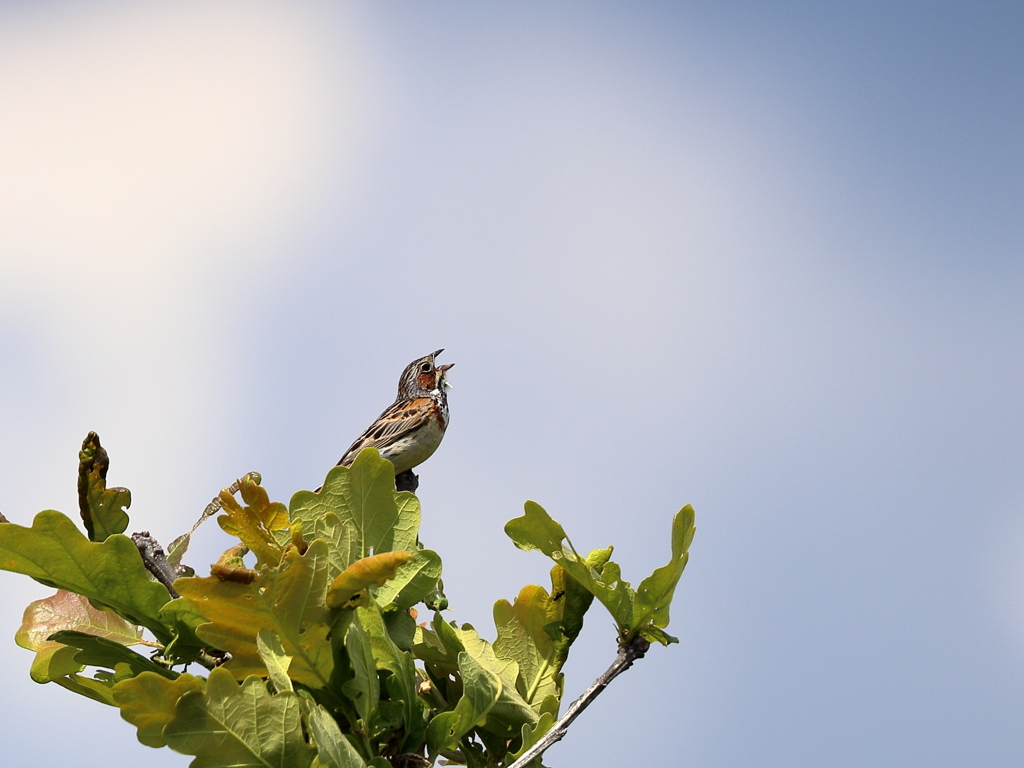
(443,369)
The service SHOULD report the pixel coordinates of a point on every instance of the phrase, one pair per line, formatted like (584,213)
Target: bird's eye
(425,367)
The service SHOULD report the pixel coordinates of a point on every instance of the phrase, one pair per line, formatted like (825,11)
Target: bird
(409,431)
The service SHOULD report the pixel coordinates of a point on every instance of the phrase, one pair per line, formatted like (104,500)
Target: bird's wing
(400,419)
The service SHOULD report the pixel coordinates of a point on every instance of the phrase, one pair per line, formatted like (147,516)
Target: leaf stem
(628,652)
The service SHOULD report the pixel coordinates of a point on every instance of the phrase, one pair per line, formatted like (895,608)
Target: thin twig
(628,653)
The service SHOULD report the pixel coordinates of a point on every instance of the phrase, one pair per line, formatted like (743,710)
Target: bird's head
(422,376)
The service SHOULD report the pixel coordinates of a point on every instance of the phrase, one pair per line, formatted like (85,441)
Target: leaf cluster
(313,618)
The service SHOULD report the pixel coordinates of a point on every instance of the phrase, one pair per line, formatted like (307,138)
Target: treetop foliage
(312,627)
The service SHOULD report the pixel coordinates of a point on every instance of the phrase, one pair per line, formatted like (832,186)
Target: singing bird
(410,430)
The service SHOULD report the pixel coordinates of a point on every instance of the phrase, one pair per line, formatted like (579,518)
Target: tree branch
(155,560)
(407,481)
(628,653)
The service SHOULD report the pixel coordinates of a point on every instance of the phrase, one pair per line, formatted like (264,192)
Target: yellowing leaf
(254,523)
(364,573)
(288,600)
(148,700)
(231,567)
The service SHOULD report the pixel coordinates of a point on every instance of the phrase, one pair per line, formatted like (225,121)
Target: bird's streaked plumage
(409,431)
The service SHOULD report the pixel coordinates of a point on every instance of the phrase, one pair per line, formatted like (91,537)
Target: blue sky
(764,259)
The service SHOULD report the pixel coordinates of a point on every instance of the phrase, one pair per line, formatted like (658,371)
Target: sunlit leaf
(413,582)
(524,636)
(110,573)
(654,595)
(147,701)
(231,725)
(531,734)
(230,566)
(536,530)
(288,600)
(102,508)
(364,573)
(341,536)
(511,710)
(634,613)
(447,641)
(255,522)
(364,494)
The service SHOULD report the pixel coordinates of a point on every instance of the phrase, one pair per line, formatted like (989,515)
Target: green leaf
(536,530)
(235,726)
(101,652)
(66,610)
(654,595)
(288,600)
(412,583)
(364,687)
(575,600)
(275,659)
(645,613)
(97,690)
(531,734)
(481,690)
(102,508)
(524,637)
(401,628)
(110,573)
(363,574)
(333,749)
(342,539)
(428,647)
(148,700)
(183,619)
(511,710)
(401,683)
(364,494)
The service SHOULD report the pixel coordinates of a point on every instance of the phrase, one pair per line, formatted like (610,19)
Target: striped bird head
(422,377)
